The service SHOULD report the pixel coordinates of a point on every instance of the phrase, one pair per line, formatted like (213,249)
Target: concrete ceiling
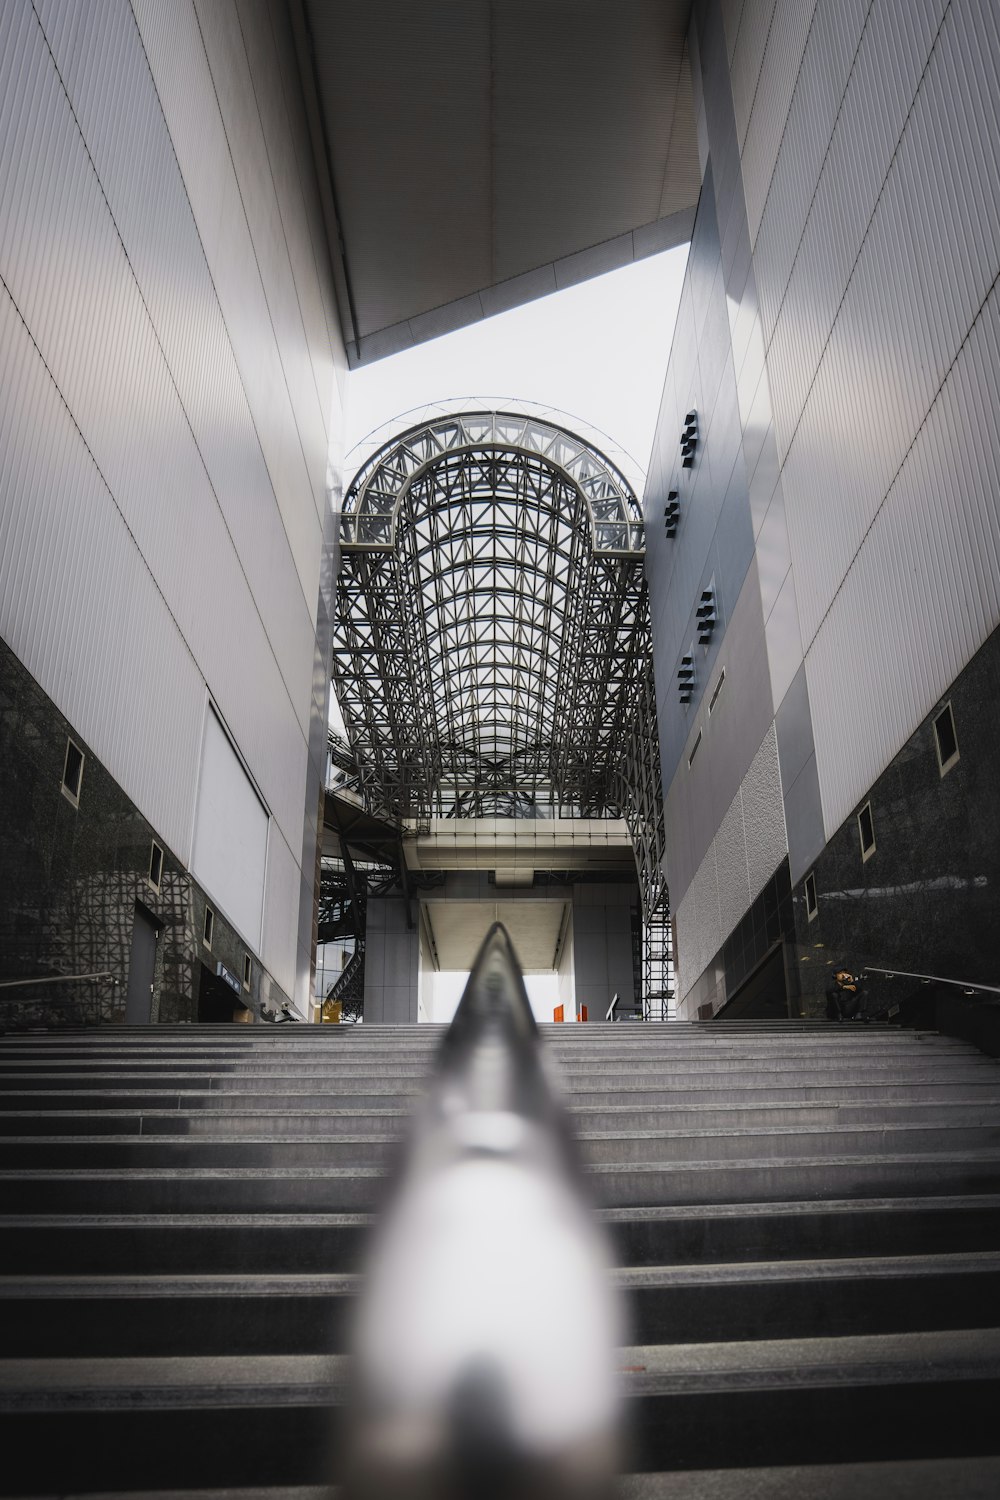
(457,930)
(475,154)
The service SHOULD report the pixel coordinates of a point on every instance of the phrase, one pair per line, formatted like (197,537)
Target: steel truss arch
(493,640)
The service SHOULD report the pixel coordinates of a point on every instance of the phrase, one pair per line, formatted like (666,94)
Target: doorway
(141,969)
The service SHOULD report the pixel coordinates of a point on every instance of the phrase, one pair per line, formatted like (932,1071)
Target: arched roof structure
(493,651)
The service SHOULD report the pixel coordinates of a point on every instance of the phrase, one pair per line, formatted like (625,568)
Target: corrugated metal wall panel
(290,158)
(78,604)
(747,59)
(173,44)
(931,254)
(826,64)
(281,906)
(291,88)
(732,11)
(745,852)
(184,547)
(106,74)
(89,321)
(782,59)
(924,588)
(889,64)
(225,45)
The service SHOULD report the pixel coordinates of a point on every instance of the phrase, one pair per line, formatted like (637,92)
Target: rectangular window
(718,689)
(945,739)
(206,936)
(812,906)
(72,778)
(155,866)
(247,970)
(694,749)
(866,829)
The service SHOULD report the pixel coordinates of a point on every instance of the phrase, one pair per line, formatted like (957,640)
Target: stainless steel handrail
(14,984)
(485,1346)
(968,986)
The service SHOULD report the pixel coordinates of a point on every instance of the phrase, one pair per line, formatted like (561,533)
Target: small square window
(945,739)
(247,970)
(206,936)
(812,905)
(866,829)
(72,779)
(155,866)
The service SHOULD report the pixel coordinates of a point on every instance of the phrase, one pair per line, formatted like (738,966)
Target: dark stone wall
(70,878)
(928,899)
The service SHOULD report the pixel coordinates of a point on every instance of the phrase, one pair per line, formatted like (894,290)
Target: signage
(227,978)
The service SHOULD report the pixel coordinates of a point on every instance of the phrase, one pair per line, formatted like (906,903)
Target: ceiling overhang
(474,155)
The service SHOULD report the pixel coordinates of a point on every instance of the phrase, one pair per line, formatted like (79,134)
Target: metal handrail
(453,1327)
(966,985)
(14,984)
(611,1008)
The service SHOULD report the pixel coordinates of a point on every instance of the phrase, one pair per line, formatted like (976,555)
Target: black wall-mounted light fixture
(685,679)
(672,513)
(689,439)
(706,616)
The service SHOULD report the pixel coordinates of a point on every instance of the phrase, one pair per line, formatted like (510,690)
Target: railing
(967,986)
(486,1337)
(40,1008)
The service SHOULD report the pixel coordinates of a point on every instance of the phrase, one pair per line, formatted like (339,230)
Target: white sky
(598,351)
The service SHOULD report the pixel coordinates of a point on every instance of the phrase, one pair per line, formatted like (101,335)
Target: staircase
(807,1221)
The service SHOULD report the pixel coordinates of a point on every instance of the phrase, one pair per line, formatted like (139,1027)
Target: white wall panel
(229,853)
(103,66)
(281,909)
(924,591)
(278,92)
(78,604)
(223,38)
(173,43)
(745,852)
(89,320)
(929,258)
(819,91)
(887,71)
(170,378)
(786,42)
(747,59)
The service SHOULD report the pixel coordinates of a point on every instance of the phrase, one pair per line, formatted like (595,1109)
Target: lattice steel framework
(493,631)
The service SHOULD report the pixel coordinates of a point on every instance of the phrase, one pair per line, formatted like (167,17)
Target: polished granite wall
(70,879)
(926,901)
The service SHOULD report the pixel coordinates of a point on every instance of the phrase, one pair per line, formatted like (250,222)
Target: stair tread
(289,1283)
(184,1381)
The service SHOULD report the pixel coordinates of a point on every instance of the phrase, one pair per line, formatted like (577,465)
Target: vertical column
(392,963)
(602,947)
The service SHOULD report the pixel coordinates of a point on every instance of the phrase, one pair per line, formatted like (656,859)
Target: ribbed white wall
(747,849)
(169,391)
(876,259)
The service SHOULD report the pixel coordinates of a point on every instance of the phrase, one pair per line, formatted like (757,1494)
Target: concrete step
(983,1088)
(956,1478)
(108,1244)
(292,1149)
(305,1189)
(324,1123)
(405,1078)
(834,1043)
(222,1313)
(127,1423)
(906,1479)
